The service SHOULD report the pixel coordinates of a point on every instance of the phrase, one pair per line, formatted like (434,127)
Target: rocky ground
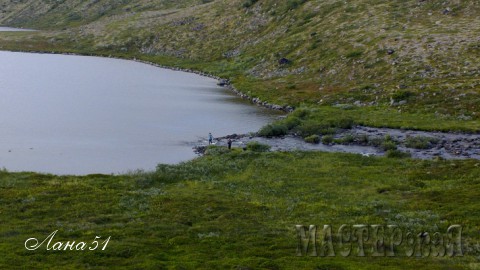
(439,144)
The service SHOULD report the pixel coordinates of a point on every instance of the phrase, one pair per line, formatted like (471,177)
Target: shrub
(258,147)
(301,113)
(345,123)
(346,139)
(327,139)
(313,139)
(272,130)
(363,139)
(293,4)
(389,145)
(386,143)
(354,54)
(328,131)
(394,153)
(420,142)
(311,128)
(300,122)
(291,122)
(249,3)
(216,150)
(401,95)
(292,86)
(376,141)
(74,16)
(344,106)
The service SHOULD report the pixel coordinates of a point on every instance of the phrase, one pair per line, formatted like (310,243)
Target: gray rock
(284,61)
(223,82)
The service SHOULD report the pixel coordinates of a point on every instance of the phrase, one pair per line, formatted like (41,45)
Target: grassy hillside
(414,57)
(238,210)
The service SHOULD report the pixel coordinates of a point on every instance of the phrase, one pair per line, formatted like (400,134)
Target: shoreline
(222,82)
(295,142)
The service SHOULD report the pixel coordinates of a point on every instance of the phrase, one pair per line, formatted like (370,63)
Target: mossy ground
(236,210)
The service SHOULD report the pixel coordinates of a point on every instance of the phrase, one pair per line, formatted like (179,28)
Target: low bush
(388,145)
(354,54)
(394,153)
(272,130)
(347,139)
(313,139)
(74,16)
(216,150)
(291,122)
(249,3)
(345,123)
(401,95)
(311,128)
(258,147)
(293,4)
(363,139)
(375,141)
(420,142)
(301,113)
(327,139)
(299,122)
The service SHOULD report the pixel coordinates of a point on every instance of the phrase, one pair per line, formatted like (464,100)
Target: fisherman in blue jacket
(210,138)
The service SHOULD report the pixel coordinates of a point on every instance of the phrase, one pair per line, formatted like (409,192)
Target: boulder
(223,82)
(284,61)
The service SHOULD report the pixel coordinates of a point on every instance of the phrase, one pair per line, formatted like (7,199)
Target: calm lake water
(80,115)
(11,29)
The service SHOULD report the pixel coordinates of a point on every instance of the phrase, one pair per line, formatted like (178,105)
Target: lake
(11,29)
(81,115)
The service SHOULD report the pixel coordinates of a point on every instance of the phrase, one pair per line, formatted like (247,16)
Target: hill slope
(415,56)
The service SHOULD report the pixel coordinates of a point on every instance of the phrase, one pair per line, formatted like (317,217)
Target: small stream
(444,145)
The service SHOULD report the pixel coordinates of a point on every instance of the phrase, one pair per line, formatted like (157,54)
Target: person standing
(229,143)
(210,138)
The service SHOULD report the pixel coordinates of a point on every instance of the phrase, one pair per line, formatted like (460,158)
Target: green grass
(235,210)
(338,117)
(257,147)
(395,153)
